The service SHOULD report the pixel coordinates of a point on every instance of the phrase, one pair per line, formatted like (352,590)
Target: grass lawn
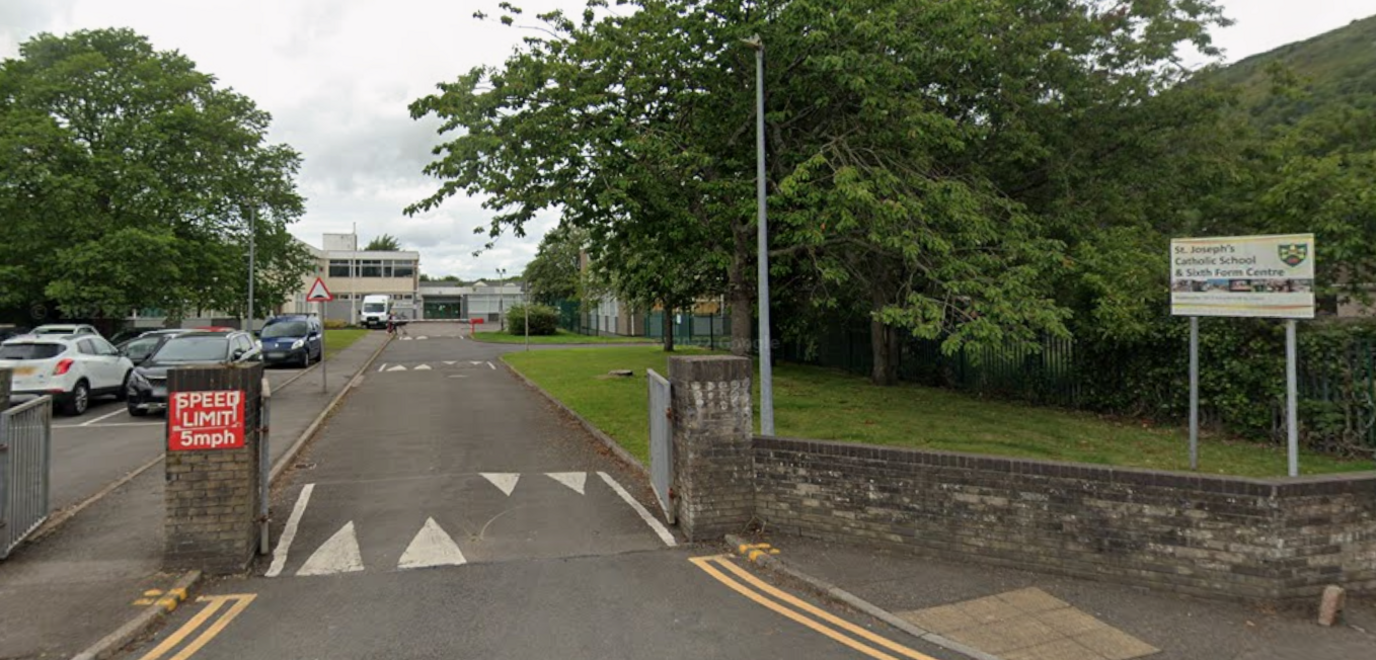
(816,403)
(564,337)
(338,340)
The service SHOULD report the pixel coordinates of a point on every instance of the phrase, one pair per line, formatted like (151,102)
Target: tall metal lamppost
(252,258)
(501,299)
(762,247)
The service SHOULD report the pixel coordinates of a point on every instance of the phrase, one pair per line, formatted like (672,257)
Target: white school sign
(1259,276)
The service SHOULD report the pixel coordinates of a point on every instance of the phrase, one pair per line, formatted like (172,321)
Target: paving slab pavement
(990,609)
(65,592)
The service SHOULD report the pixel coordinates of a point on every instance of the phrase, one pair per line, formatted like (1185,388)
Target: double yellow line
(798,610)
(237,603)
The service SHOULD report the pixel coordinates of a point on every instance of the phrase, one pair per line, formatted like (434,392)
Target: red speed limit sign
(198,421)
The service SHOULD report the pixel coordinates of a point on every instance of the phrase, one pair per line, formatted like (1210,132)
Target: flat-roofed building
(350,274)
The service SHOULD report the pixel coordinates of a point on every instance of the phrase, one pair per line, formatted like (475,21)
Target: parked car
(65,329)
(139,348)
(10,331)
(295,339)
(147,387)
(71,369)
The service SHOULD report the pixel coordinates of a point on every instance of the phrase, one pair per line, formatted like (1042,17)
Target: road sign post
(1245,276)
(319,293)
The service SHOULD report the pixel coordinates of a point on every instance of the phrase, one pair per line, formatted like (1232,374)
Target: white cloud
(337,76)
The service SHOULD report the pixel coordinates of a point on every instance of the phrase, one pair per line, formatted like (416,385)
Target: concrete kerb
(615,448)
(297,376)
(282,462)
(740,546)
(145,620)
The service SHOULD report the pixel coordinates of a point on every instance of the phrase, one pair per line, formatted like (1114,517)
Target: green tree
(383,243)
(923,154)
(555,272)
(128,180)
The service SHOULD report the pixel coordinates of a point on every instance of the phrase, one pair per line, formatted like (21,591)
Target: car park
(296,339)
(70,368)
(65,329)
(147,387)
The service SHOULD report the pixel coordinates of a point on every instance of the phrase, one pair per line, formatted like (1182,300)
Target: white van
(374,312)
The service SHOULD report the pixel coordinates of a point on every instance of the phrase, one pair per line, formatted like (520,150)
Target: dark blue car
(297,340)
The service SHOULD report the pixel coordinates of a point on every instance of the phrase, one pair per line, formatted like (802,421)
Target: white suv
(64,329)
(70,368)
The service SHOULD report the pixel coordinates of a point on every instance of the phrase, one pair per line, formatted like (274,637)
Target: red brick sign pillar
(212,468)
(714,465)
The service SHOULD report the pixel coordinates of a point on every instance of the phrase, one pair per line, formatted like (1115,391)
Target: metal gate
(661,444)
(25,469)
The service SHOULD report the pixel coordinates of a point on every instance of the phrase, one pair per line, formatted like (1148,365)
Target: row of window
(301,297)
(371,268)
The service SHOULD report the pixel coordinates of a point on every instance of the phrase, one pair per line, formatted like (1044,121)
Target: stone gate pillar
(714,467)
(213,475)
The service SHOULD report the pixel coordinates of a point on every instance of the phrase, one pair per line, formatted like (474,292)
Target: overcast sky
(337,76)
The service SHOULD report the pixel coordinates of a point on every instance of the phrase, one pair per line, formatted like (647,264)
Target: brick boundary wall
(212,496)
(1252,539)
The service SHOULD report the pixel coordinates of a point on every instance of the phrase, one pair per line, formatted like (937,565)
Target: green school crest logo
(1294,255)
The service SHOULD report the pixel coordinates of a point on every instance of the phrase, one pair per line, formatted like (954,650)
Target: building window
(339,268)
(370,268)
(403,269)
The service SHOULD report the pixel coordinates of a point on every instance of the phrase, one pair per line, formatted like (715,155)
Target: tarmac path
(448,512)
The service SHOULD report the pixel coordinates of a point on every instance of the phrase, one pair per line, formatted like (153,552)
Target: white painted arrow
(423,367)
(574,480)
(338,555)
(399,367)
(431,547)
(503,480)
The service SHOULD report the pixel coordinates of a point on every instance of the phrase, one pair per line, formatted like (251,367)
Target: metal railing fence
(25,470)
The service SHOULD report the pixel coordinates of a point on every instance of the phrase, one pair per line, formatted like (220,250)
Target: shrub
(335,324)
(544,320)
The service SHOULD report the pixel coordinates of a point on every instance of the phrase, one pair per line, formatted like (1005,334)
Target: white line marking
(105,416)
(399,367)
(431,547)
(574,480)
(475,362)
(106,426)
(449,362)
(381,367)
(503,480)
(489,365)
(423,367)
(338,555)
(458,376)
(279,554)
(406,339)
(421,337)
(650,520)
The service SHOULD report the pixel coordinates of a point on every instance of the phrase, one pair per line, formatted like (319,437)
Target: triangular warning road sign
(318,292)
